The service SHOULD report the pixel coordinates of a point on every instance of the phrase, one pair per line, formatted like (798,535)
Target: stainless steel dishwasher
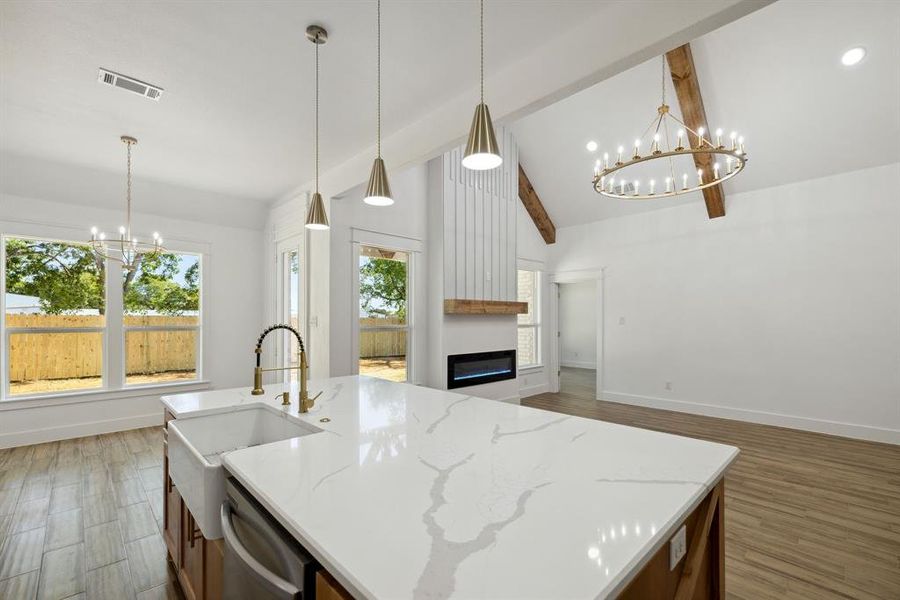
(262,561)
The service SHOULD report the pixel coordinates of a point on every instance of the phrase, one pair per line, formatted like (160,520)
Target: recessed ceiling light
(591,146)
(853,56)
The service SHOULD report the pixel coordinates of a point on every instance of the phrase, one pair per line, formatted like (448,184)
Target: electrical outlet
(668,386)
(677,547)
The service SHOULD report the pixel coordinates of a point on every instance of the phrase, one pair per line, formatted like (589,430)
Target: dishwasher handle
(278,587)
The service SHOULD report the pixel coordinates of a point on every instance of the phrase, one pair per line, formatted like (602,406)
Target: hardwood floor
(807,515)
(83,519)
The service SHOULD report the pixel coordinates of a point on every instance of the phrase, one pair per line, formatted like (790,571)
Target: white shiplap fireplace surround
(471,250)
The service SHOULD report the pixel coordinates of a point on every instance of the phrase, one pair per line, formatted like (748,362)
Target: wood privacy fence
(380,344)
(75,354)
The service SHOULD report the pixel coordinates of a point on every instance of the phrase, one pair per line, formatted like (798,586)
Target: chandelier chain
(378,86)
(663,79)
(128,193)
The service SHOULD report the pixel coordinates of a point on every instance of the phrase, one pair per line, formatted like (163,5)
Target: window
(383,313)
(528,286)
(55,317)
(288,307)
(162,319)
(58,310)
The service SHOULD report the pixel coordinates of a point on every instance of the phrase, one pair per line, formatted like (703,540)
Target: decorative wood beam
(460,306)
(684,76)
(535,208)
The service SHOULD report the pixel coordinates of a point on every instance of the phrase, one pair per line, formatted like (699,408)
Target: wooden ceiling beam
(535,208)
(684,76)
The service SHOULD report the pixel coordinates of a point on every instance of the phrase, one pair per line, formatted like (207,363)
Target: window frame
(198,358)
(536,321)
(113,375)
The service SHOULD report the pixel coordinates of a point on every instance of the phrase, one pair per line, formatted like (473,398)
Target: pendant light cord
(379,79)
(316,42)
(663,79)
(482,50)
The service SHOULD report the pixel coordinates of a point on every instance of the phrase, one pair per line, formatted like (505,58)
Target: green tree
(382,287)
(63,276)
(68,277)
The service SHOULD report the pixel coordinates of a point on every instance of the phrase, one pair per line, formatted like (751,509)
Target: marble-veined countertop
(410,492)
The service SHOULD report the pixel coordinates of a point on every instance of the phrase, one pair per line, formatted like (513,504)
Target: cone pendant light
(482,151)
(378,192)
(316,218)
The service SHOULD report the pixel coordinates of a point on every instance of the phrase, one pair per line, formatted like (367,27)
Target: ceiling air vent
(130,84)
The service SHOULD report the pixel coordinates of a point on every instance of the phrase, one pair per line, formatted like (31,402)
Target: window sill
(530,369)
(37,401)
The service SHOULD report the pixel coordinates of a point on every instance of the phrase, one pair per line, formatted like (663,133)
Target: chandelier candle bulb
(668,185)
(684,181)
(652,186)
(699,176)
(102,236)
(655,147)
(612,184)
(733,140)
(622,188)
(606,160)
(637,147)
(700,133)
(680,139)
(719,138)
(741,145)
(637,187)
(716,171)
(620,150)
(597,169)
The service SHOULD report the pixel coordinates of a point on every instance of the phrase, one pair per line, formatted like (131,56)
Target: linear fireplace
(480,367)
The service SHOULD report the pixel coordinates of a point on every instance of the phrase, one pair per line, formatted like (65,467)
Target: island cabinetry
(700,574)
(198,561)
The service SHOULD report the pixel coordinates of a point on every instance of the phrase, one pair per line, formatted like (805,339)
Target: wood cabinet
(198,561)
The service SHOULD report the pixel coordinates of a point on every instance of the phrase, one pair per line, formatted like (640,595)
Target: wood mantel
(460,306)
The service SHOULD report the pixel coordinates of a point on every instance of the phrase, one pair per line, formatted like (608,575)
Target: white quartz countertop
(410,492)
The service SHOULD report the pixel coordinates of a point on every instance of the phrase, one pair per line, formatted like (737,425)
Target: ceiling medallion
(612,181)
(127,249)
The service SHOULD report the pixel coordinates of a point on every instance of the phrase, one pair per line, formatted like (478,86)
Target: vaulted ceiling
(774,75)
(236,115)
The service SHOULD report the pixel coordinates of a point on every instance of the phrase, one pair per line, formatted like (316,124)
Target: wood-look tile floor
(807,516)
(82,518)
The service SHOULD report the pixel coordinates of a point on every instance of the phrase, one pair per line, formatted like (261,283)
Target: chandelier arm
(671,159)
(689,130)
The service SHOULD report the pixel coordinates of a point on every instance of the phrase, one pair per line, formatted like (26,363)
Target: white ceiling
(236,115)
(774,75)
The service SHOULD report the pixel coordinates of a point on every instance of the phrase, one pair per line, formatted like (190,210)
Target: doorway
(577,319)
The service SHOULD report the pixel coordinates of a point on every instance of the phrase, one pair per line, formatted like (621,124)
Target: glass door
(290,303)
(384,332)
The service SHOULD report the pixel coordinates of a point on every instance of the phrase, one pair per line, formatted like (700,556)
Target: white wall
(232,317)
(578,325)
(785,311)
(405,219)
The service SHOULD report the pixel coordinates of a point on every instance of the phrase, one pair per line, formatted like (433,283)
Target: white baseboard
(578,364)
(850,430)
(65,432)
(533,390)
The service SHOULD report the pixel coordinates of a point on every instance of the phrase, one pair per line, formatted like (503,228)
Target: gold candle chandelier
(127,249)
(667,138)
(316,217)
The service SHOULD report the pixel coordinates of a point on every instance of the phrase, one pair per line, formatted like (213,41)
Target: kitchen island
(406,492)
